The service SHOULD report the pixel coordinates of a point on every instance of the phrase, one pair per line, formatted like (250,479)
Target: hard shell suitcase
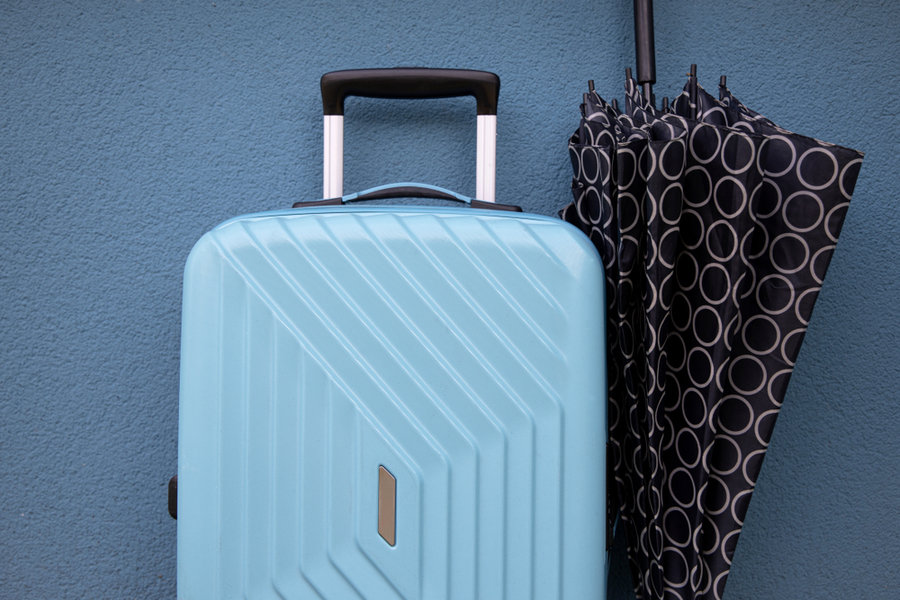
(393,402)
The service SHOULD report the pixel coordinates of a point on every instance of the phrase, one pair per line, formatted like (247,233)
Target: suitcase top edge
(573,236)
(392,209)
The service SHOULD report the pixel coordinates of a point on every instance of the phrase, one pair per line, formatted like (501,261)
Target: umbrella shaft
(645,52)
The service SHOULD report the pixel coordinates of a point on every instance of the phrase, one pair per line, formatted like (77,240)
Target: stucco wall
(127,129)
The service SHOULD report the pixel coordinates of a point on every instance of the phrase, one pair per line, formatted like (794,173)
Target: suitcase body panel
(460,349)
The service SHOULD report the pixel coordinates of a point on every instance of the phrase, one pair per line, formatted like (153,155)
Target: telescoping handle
(410,83)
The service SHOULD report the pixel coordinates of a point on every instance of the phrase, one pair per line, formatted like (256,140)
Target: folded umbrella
(716,228)
(798,208)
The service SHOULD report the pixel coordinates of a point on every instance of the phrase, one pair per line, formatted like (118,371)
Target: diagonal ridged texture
(455,348)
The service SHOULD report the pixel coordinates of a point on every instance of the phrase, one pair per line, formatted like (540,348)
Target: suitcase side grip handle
(407,82)
(173,497)
(408,190)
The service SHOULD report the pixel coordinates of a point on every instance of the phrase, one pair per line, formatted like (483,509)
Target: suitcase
(386,402)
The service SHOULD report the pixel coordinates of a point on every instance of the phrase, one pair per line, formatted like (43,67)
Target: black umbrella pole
(644,50)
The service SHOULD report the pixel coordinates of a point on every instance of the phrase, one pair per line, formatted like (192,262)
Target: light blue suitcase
(393,402)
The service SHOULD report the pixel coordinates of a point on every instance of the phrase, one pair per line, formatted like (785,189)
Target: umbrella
(798,209)
(716,228)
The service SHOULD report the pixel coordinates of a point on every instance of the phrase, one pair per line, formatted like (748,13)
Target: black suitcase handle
(406,82)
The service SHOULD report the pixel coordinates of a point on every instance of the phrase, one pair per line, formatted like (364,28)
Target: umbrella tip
(722,81)
(591,85)
(693,72)
(627,72)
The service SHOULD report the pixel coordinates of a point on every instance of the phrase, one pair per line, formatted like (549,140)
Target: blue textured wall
(127,129)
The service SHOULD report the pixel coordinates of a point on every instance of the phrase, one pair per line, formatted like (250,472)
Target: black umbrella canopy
(716,228)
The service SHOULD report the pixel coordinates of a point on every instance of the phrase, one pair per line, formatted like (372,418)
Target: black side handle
(406,82)
(612,508)
(173,497)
